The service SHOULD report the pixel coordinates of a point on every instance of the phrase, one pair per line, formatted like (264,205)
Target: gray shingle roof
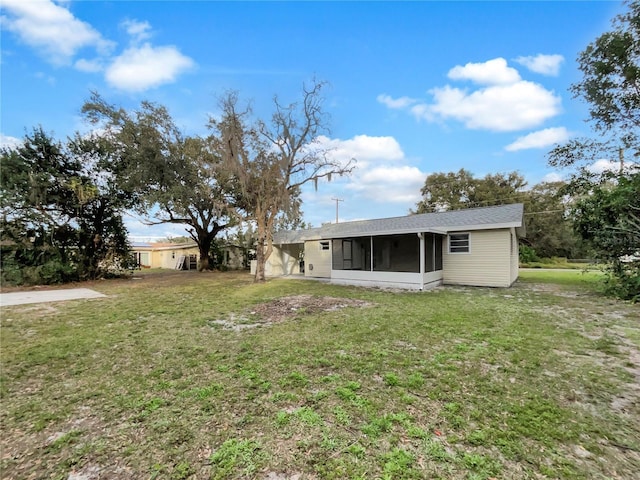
(502,216)
(296,236)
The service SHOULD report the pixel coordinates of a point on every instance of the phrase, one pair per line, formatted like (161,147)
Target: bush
(528,254)
(623,280)
(50,272)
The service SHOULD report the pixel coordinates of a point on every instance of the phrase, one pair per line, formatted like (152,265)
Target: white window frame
(325,245)
(468,243)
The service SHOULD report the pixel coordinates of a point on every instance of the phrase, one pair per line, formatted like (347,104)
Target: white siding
(488,262)
(317,262)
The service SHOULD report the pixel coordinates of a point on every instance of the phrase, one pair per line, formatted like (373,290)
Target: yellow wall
(166,258)
(488,263)
(169,258)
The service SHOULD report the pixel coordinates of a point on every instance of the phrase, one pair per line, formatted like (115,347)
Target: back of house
(475,246)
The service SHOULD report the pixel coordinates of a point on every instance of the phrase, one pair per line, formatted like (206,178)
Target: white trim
(423,259)
(162,249)
(467,252)
(439,230)
(405,280)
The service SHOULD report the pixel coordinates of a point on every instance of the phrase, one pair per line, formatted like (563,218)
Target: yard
(187,375)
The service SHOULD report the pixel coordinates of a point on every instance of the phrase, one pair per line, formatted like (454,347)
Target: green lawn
(187,375)
(589,279)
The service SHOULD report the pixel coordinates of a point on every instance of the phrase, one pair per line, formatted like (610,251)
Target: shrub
(528,254)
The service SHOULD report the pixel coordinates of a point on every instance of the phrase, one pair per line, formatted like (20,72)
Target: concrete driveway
(20,298)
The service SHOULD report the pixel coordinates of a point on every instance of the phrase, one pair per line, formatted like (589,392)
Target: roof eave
(493,226)
(438,230)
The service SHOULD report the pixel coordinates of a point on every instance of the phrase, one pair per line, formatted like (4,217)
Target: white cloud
(389,184)
(89,66)
(51,29)
(395,103)
(504,102)
(55,33)
(7,141)
(540,139)
(491,72)
(500,108)
(363,148)
(144,67)
(606,165)
(139,31)
(543,64)
(381,174)
(552,177)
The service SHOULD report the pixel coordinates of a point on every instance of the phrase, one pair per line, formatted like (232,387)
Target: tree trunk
(261,223)
(204,246)
(260,261)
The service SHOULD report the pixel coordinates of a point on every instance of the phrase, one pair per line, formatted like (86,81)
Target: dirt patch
(285,308)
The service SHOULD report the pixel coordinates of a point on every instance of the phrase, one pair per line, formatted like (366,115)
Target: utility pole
(621,157)
(337,200)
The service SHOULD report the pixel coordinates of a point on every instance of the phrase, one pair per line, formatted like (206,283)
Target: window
(142,259)
(459,243)
(324,245)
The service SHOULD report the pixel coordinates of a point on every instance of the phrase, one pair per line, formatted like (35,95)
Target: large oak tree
(176,178)
(61,211)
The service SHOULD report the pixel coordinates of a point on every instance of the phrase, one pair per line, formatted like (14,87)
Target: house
(183,256)
(180,256)
(475,246)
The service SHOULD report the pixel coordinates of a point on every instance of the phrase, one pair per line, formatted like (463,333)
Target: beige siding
(317,262)
(515,256)
(284,260)
(488,262)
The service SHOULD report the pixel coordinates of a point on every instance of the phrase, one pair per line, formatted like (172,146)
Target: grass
(560,263)
(589,279)
(536,381)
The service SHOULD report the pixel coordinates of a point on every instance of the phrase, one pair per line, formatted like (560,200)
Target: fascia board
(439,230)
(493,226)
(389,232)
(175,247)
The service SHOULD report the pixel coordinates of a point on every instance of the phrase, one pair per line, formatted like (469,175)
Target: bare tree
(269,162)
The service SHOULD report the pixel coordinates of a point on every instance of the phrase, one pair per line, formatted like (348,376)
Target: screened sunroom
(412,260)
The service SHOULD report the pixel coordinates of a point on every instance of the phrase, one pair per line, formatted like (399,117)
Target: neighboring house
(476,246)
(234,257)
(181,256)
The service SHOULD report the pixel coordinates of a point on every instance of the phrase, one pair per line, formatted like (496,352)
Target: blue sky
(415,87)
